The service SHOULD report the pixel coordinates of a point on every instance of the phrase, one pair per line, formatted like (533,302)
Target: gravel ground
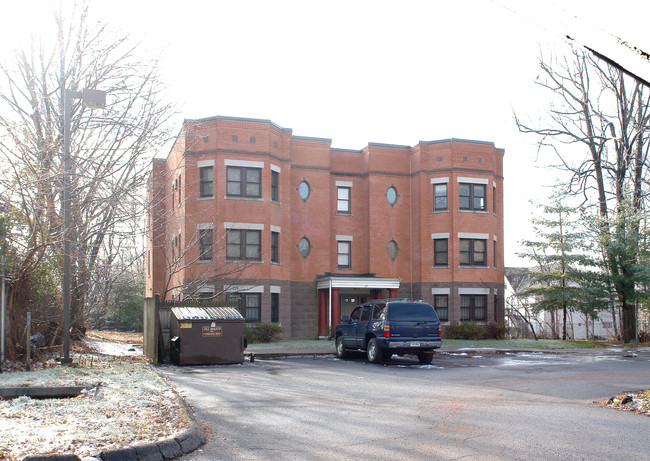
(125,403)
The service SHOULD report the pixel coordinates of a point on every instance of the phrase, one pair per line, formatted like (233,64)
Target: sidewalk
(294,348)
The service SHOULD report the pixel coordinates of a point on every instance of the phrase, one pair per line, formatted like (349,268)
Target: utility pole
(93,99)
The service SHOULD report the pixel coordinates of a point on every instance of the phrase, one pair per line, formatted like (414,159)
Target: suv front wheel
(375,353)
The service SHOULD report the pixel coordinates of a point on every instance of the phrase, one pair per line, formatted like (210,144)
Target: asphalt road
(472,406)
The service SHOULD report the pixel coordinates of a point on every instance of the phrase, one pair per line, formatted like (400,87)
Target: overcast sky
(368,71)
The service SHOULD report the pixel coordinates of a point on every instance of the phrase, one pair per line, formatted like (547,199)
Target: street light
(93,99)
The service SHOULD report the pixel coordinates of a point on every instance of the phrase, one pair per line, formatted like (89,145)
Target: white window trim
(275,289)
(243,163)
(473,180)
(245,289)
(243,225)
(444,235)
(439,180)
(471,235)
(275,228)
(343,183)
(344,238)
(440,291)
(204,226)
(473,291)
(276,168)
(206,289)
(204,163)
(495,238)
(494,184)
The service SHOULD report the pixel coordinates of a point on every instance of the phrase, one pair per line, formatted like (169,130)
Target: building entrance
(349,302)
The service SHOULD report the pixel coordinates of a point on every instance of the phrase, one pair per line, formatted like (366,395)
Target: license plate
(415,343)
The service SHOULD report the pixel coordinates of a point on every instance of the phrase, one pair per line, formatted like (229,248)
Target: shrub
(644,336)
(463,330)
(497,330)
(262,332)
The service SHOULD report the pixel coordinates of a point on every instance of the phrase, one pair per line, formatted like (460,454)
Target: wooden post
(29,339)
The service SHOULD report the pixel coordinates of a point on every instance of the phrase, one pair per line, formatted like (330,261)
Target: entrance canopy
(366,282)
(329,294)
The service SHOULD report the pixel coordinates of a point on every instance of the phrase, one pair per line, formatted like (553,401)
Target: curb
(171,448)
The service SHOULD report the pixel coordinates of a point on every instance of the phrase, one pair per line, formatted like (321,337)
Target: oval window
(391,195)
(303,190)
(392,249)
(304,247)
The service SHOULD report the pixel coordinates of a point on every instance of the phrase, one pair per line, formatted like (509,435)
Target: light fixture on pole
(93,99)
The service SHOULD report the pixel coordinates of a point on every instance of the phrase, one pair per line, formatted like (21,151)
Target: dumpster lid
(206,313)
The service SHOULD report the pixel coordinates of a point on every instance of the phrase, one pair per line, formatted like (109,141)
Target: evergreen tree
(565,278)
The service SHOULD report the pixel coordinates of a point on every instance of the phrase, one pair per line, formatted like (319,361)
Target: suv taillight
(386,331)
(440,330)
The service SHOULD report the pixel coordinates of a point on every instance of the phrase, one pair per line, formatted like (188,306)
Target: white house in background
(547,324)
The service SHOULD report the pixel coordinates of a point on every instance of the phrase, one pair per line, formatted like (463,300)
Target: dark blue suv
(386,327)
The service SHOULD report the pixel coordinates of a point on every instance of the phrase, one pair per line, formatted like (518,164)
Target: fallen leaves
(637,402)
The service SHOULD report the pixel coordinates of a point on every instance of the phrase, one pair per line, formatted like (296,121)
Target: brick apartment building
(301,232)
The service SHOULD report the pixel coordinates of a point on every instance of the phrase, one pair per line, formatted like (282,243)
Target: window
(472,252)
(179,190)
(473,307)
(378,310)
(205,244)
(472,196)
(392,249)
(343,256)
(235,138)
(304,247)
(343,200)
(253,307)
(303,190)
(441,305)
(252,139)
(275,238)
(391,195)
(495,254)
(250,305)
(205,295)
(494,199)
(275,307)
(205,175)
(440,196)
(244,182)
(275,176)
(441,252)
(243,244)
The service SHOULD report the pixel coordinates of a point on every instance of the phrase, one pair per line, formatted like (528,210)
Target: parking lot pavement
(478,405)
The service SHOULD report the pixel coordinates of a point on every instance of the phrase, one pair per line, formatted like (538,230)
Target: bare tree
(110,149)
(598,129)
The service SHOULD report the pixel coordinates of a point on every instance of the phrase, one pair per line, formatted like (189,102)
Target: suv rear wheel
(425,358)
(375,353)
(340,348)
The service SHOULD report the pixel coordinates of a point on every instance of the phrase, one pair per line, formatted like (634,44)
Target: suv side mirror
(345,319)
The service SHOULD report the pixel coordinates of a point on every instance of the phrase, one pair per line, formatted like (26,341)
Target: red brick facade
(369,217)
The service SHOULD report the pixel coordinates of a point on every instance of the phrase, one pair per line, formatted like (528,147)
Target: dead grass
(126,403)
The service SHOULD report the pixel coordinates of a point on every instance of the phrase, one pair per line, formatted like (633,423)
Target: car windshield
(412,312)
